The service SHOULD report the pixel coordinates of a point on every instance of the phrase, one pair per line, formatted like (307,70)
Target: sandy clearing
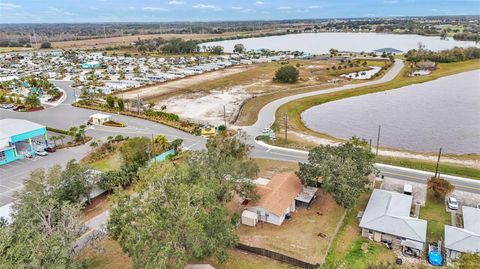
(150,92)
(393,153)
(205,107)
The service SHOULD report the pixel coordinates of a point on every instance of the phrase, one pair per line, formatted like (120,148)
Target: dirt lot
(299,236)
(245,88)
(169,88)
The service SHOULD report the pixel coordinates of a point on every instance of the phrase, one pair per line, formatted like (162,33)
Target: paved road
(266,116)
(65,116)
(276,153)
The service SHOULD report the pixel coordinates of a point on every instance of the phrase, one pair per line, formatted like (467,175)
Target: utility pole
(224,117)
(378,139)
(286,127)
(370,144)
(438,162)
(138,103)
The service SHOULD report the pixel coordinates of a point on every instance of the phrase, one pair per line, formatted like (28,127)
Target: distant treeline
(445,56)
(467,36)
(172,46)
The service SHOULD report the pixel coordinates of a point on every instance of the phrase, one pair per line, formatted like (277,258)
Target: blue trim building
(18,139)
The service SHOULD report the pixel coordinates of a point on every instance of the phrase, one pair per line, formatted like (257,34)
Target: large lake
(318,43)
(422,117)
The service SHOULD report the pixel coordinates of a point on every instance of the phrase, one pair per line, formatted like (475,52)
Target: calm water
(423,117)
(317,43)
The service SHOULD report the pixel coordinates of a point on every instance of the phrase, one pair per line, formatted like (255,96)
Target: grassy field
(11,49)
(346,250)
(444,168)
(437,216)
(109,163)
(295,108)
(313,80)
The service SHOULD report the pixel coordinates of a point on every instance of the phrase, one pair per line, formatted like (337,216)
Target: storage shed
(249,218)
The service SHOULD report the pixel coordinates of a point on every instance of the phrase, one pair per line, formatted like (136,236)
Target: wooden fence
(277,256)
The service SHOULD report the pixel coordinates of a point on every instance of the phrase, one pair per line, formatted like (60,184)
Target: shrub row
(182,125)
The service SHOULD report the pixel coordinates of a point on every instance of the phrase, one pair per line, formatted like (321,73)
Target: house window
(3,157)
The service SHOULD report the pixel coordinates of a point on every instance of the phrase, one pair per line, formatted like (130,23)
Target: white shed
(99,119)
(249,218)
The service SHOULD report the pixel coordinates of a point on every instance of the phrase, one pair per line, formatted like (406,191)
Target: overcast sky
(52,11)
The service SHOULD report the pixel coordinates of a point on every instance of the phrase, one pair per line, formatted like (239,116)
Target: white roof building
(389,212)
(466,239)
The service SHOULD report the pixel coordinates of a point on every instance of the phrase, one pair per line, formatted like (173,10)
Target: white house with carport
(466,239)
(387,219)
(277,198)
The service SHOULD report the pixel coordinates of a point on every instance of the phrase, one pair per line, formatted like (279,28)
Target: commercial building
(19,138)
(387,219)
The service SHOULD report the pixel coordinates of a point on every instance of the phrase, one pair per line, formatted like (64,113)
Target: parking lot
(13,174)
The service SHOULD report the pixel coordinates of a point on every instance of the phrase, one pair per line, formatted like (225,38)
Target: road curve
(266,116)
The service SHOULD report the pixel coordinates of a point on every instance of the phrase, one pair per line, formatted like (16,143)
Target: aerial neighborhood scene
(246,134)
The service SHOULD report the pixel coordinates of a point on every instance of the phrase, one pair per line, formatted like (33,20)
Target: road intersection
(65,116)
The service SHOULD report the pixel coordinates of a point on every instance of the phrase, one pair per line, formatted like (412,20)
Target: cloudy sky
(51,11)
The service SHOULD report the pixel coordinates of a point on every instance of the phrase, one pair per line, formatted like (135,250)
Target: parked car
(7,106)
(41,153)
(266,130)
(50,149)
(452,203)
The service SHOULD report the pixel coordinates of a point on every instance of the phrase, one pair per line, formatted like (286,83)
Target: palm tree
(81,132)
(54,139)
(61,137)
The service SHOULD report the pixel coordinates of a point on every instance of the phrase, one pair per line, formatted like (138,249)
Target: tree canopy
(286,74)
(341,170)
(44,224)
(440,187)
(179,212)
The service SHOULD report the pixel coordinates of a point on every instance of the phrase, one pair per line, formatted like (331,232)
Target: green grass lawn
(435,213)
(447,169)
(346,250)
(109,163)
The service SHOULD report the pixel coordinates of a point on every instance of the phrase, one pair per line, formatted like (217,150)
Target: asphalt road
(65,116)
(266,116)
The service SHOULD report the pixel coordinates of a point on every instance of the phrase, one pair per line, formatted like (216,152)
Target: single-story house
(277,197)
(466,239)
(16,139)
(99,118)
(387,219)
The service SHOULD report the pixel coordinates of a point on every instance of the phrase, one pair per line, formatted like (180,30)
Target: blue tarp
(435,258)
